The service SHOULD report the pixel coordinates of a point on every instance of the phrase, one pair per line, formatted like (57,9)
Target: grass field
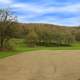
(19,46)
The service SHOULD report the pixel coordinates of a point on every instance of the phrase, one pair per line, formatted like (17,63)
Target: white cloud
(36,10)
(5,1)
(42,9)
(31,12)
(28,7)
(72,21)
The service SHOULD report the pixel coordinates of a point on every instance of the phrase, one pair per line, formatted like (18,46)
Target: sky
(59,12)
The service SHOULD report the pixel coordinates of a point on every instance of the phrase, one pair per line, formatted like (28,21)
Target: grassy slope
(21,47)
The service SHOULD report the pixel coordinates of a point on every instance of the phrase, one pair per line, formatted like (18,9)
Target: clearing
(42,65)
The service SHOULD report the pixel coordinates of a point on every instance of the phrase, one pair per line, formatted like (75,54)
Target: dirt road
(42,65)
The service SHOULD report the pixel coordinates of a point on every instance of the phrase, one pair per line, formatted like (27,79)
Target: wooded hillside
(48,34)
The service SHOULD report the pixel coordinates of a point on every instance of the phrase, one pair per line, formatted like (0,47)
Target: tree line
(47,35)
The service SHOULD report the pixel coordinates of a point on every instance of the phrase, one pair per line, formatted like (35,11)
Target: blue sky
(60,12)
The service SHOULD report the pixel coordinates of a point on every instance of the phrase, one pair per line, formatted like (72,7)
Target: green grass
(21,47)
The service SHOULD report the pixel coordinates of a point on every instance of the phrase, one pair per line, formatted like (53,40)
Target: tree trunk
(2,43)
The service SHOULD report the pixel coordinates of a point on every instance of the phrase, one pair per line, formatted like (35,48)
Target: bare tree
(7,26)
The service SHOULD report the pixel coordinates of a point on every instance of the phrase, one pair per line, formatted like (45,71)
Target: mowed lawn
(42,65)
(19,46)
